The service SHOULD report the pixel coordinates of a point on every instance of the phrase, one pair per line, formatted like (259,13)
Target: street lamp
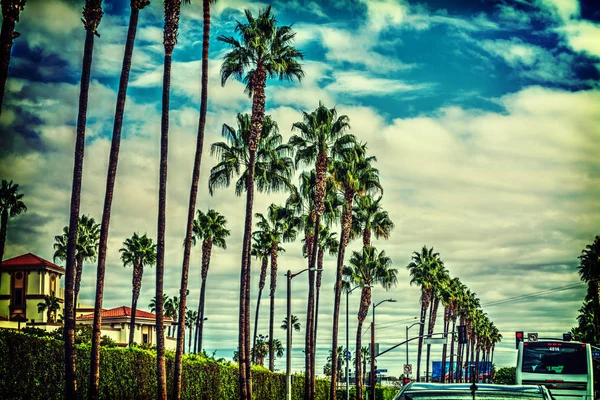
(373,346)
(407,328)
(288,351)
(347,344)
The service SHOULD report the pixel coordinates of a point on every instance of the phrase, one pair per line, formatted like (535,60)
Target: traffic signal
(462,334)
(405,381)
(567,337)
(519,338)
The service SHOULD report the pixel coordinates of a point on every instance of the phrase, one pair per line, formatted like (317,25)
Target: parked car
(466,391)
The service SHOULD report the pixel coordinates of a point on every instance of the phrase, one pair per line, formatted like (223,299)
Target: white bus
(563,367)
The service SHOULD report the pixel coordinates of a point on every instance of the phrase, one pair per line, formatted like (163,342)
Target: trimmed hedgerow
(32,367)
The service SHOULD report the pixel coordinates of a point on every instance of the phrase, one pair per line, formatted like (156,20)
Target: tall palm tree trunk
(491,364)
(451,369)
(137,286)
(161,370)
(310,314)
(430,328)
(261,286)
(272,306)
(92,15)
(424,305)
(365,302)
(444,346)
(206,253)
(77,285)
(346,223)
(10,14)
(318,290)
(466,361)
(258,112)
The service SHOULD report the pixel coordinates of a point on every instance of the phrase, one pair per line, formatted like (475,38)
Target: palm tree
(87,248)
(192,202)
(327,243)
(92,15)
(589,272)
(172,10)
(273,167)
(421,272)
(365,356)
(353,175)
(51,305)
(451,297)
(11,203)
(136,6)
(369,218)
(322,132)
(264,50)
(439,279)
(279,226)
(138,252)
(368,268)
(10,14)
(295,324)
(210,229)
(261,249)
(191,320)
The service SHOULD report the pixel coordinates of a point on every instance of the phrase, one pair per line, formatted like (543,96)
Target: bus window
(554,358)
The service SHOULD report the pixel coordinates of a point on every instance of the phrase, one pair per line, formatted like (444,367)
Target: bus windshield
(554,358)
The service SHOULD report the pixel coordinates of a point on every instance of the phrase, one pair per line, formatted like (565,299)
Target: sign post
(407,368)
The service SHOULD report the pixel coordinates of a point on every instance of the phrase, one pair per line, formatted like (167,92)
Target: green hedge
(32,367)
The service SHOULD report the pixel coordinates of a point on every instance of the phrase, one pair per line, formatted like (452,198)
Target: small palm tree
(191,320)
(209,229)
(88,239)
(138,252)
(11,203)
(261,249)
(264,50)
(51,305)
(367,269)
(279,226)
(295,324)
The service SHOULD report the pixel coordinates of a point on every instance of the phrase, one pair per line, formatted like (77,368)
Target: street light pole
(288,350)
(407,328)
(348,345)
(372,391)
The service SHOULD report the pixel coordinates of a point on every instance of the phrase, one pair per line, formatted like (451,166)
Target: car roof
(418,386)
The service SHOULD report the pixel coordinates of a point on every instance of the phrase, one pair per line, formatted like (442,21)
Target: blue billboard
(436,374)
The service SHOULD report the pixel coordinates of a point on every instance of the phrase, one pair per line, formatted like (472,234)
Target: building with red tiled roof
(116,322)
(25,281)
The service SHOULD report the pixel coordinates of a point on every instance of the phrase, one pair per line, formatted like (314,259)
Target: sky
(483,115)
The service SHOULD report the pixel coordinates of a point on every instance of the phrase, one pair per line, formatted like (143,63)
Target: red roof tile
(122,311)
(31,260)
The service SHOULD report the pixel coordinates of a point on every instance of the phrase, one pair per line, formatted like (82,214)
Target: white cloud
(357,83)
(562,9)
(583,36)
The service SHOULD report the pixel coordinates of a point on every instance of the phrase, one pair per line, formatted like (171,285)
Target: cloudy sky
(483,117)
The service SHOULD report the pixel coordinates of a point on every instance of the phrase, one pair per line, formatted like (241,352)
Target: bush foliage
(32,367)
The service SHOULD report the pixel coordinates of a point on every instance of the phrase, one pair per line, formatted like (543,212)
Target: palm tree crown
(263,48)
(273,166)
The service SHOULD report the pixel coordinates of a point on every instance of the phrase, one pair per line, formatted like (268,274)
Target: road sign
(407,368)
(348,355)
(532,337)
(596,354)
(440,340)
(379,371)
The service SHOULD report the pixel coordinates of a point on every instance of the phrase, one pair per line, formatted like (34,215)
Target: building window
(145,338)
(18,298)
